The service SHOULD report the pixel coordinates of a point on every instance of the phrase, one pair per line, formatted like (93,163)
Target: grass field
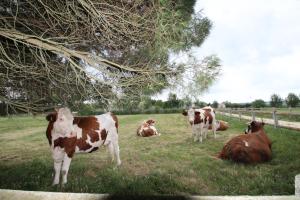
(169,164)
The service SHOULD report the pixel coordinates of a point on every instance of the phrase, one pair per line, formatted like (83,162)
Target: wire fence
(284,119)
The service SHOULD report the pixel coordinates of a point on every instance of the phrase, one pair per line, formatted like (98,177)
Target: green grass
(169,164)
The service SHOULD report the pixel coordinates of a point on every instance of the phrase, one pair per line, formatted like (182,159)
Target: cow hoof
(54,184)
(119,163)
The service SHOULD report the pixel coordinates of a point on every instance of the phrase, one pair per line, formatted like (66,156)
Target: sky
(258,42)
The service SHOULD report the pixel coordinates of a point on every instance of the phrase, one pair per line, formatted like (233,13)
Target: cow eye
(61,119)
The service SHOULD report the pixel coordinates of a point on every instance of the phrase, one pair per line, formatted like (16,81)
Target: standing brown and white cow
(68,135)
(252,147)
(200,120)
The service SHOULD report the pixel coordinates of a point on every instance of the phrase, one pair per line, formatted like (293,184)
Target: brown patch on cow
(51,117)
(197,118)
(223,126)
(94,149)
(250,148)
(150,121)
(82,145)
(89,126)
(147,132)
(116,120)
(256,126)
(144,130)
(103,134)
(207,117)
(67,143)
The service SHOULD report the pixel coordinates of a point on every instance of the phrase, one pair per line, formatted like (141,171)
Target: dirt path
(281,123)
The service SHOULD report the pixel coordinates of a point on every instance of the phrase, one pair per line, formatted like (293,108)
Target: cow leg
(214,128)
(65,168)
(205,130)
(111,151)
(195,133)
(200,135)
(113,146)
(117,152)
(58,155)
(57,167)
(201,132)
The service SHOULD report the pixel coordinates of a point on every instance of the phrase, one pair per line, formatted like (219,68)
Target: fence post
(240,116)
(230,112)
(290,112)
(253,114)
(275,118)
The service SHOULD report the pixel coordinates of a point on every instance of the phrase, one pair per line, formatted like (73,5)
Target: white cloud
(259,45)
(245,83)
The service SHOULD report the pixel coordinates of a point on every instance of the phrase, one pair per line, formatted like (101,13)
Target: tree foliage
(292,100)
(259,103)
(198,75)
(68,52)
(276,100)
(215,104)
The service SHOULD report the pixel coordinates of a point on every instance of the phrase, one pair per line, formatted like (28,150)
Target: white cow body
(68,135)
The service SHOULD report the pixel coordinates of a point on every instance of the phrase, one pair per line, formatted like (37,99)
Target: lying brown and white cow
(200,120)
(147,129)
(252,147)
(220,125)
(68,135)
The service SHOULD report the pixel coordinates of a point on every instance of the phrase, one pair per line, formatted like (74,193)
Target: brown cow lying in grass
(252,147)
(147,129)
(220,125)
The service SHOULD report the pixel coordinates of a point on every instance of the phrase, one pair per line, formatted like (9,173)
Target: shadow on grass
(148,197)
(37,176)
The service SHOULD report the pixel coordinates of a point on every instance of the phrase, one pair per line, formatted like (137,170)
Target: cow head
(62,120)
(193,115)
(150,122)
(254,126)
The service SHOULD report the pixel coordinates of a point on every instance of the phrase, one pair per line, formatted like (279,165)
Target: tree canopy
(292,100)
(276,100)
(68,52)
(259,103)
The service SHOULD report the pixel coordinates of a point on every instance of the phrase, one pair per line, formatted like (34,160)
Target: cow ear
(184,112)
(51,117)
